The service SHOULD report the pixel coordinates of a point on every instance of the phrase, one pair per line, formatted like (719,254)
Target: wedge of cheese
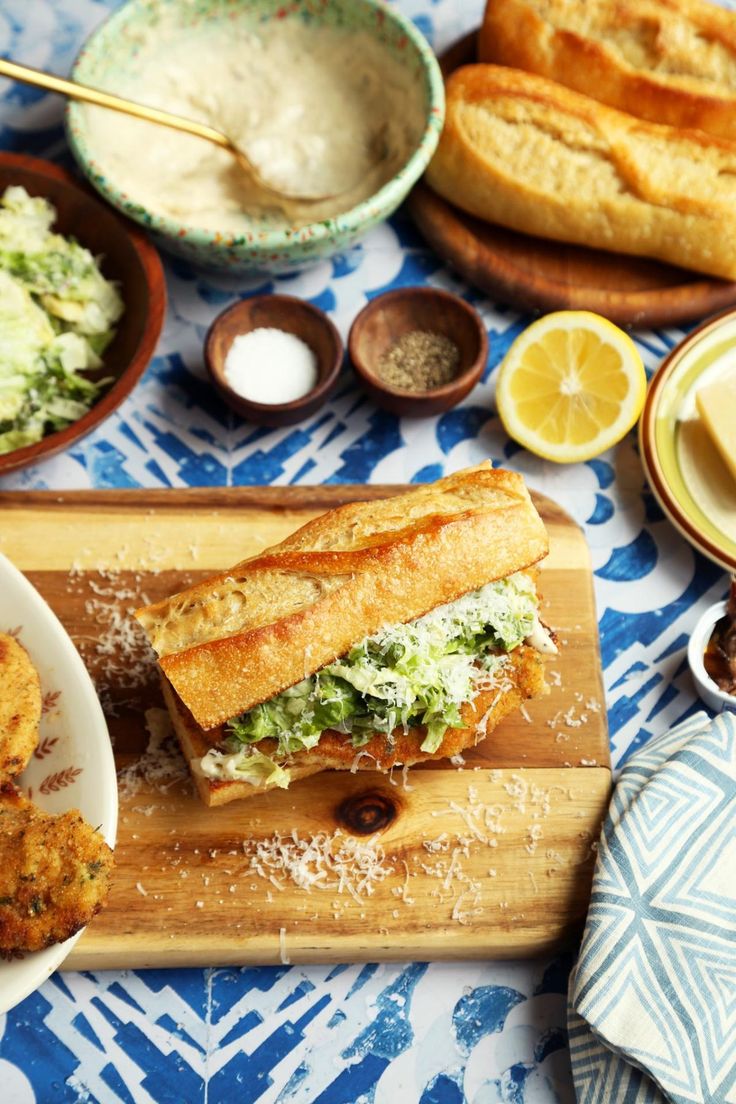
(717,407)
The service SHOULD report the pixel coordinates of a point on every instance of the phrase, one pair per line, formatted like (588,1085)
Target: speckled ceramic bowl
(265,246)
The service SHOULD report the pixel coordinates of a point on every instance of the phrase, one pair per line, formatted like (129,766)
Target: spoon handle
(106,99)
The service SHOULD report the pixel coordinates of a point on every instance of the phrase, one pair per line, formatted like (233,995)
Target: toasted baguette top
(240,637)
(671,61)
(526,152)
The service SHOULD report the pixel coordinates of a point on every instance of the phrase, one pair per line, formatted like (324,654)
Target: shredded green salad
(418,673)
(57,313)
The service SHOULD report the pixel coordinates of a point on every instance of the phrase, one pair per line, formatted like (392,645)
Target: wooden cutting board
(492,858)
(540,275)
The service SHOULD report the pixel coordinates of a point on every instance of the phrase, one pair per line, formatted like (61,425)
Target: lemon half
(570,386)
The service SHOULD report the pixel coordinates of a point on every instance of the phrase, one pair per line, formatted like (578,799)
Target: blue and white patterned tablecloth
(481,1033)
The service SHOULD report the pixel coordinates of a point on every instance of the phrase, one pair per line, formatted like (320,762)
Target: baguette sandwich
(527,153)
(670,61)
(380,634)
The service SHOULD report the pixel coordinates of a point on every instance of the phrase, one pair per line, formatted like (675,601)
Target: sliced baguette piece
(527,153)
(240,637)
(523,678)
(670,61)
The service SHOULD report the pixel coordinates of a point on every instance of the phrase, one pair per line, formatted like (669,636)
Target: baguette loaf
(240,637)
(670,61)
(523,678)
(527,153)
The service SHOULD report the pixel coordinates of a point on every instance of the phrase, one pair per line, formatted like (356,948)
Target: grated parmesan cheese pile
(482,826)
(117,654)
(161,766)
(334,862)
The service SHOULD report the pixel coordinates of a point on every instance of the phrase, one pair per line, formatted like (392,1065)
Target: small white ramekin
(716,700)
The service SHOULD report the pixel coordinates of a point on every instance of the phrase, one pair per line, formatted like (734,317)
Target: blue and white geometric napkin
(652,1014)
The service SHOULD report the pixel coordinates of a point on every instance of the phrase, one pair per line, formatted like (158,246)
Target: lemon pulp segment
(570,386)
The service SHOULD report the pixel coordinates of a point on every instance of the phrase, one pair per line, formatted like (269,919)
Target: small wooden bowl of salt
(274,358)
(418,351)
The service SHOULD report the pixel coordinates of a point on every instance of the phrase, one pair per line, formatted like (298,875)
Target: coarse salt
(270,366)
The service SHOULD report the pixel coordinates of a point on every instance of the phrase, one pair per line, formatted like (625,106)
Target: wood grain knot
(367,812)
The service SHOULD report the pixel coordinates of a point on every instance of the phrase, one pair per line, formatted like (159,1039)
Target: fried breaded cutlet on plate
(54,873)
(55,862)
(20,707)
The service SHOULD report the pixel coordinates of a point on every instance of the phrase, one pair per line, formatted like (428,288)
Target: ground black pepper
(419,361)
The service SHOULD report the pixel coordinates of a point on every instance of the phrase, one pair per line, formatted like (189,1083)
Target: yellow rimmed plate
(687,475)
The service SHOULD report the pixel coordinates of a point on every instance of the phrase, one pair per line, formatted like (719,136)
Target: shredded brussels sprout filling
(407,675)
(57,313)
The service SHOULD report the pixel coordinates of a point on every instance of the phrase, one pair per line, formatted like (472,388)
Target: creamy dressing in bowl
(318,108)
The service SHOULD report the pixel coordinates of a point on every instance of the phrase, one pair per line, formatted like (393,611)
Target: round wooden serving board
(541,275)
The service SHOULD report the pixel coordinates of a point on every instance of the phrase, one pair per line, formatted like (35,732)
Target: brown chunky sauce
(720,654)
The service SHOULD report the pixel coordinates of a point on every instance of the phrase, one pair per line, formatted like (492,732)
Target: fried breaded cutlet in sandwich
(382,633)
(54,873)
(20,708)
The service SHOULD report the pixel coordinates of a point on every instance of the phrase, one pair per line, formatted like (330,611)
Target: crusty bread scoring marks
(669,61)
(604,151)
(241,637)
(241,599)
(286,579)
(530,154)
(688,43)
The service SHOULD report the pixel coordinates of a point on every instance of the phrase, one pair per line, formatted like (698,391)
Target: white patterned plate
(73,766)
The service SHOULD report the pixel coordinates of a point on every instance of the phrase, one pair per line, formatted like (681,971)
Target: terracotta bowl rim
(112,398)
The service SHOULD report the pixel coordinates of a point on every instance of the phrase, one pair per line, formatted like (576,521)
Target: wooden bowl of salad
(82,303)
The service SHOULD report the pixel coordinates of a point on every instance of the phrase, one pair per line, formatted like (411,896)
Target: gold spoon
(284,199)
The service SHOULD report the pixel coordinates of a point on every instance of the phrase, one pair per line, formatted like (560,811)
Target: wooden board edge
(435,949)
(311,496)
(439,945)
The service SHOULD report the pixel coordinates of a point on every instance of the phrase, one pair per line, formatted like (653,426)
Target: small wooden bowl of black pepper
(418,351)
